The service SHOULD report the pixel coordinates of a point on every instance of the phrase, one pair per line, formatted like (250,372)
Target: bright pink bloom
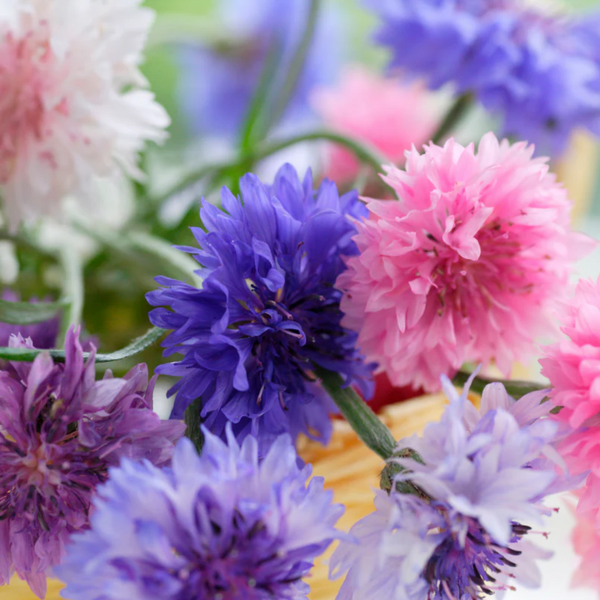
(465,266)
(390,116)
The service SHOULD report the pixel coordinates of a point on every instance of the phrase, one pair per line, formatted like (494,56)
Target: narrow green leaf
(137,346)
(516,389)
(26,313)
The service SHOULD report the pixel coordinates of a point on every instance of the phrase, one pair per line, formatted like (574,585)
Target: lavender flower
(60,430)
(218,82)
(464,533)
(268,311)
(219,526)
(540,72)
(43,335)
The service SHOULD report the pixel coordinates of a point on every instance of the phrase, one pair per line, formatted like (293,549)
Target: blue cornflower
(219,526)
(463,533)
(218,82)
(268,311)
(540,72)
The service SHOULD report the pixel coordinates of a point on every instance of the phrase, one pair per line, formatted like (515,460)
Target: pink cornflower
(390,116)
(464,266)
(586,541)
(70,108)
(573,367)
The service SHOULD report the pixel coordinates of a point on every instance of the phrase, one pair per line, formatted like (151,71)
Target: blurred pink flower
(586,541)
(573,364)
(465,266)
(573,367)
(390,116)
(69,105)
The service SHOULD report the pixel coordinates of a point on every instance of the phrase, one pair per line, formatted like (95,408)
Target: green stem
(453,117)
(358,414)
(255,116)
(73,289)
(364,152)
(294,70)
(135,347)
(515,388)
(193,419)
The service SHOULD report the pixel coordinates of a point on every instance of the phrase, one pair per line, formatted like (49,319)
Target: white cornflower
(71,107)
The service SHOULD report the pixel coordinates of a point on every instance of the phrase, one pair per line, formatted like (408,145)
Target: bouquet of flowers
(293,302)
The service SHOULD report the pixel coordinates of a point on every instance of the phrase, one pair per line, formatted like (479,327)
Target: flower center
(473,566)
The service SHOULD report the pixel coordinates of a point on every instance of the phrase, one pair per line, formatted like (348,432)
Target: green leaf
(137,346)
(26,313)
(515,388)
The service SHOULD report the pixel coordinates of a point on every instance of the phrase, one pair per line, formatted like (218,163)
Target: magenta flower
(464,266)
(389,115)
(60,431)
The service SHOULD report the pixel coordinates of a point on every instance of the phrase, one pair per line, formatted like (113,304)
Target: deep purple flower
(540,72)
(218,82)
(480,486)
(60,431)
(268,311)
(43,335)
(219,526)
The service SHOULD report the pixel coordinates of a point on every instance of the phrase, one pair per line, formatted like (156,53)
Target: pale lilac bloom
(481,484)
(220,525)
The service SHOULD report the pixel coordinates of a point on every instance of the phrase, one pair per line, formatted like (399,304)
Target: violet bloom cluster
(219,81)
(268,311)
(60,431)
(540,72)
(220,525)
(481,484)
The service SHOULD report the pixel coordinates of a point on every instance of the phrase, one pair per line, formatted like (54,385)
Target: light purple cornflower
(217,526)
(60,431)
(478,489)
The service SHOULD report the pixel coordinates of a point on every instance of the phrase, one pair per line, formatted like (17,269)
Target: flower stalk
(453,117)
(193,419)
(359,415)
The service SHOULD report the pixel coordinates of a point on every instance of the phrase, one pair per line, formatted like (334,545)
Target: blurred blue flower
(217,83)
(482,478)
(539,72)
(221,525)
(268,311)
